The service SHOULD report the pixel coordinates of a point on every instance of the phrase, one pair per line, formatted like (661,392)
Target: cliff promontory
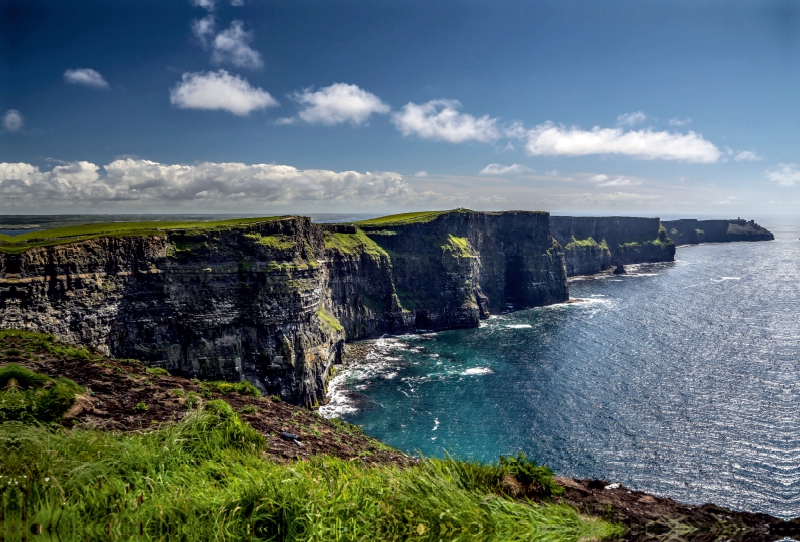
(594,244)
(273,300)
(689,231)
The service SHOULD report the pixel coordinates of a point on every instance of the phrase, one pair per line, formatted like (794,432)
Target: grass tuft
(206,478)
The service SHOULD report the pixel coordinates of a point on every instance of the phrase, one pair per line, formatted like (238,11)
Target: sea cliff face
(226,303)
(594,244)
(274,301)
(457,268)
(690,231)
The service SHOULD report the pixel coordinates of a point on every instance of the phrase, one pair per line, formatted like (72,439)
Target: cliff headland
(689,231)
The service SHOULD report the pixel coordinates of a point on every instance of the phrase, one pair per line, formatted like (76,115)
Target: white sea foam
(519,326)
(477,371)
(435,424)
(731,278)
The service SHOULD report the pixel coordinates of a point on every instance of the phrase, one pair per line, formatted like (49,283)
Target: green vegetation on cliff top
(581,243)
(353,243)
(406,218)
(71,234)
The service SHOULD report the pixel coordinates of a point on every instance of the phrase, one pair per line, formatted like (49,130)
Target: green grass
(354,243)
(42,341)
(70,234)
(457,247)
(226,388)
(582,243)
(407,218)
(205,478)
(31,397)
(278,242)
(330,320)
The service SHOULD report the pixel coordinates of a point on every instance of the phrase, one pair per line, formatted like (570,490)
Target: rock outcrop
(274,301)
(595,244)
(689,231)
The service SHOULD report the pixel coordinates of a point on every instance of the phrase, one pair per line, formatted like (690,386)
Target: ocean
(680,379)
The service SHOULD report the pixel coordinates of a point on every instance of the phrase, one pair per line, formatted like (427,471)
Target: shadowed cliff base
(137,453)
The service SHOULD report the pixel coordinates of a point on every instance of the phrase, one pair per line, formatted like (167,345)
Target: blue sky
(621,107)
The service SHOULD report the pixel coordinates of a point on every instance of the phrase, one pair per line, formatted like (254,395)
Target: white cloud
(422,173)
(219,90)
(499,169)
(784,174)
(237,3)
(549,139)
(440,120)
(13,120)
(131,181)
(619,181)
(749,156)
(680,122)
(210,5)
(603,181)
(338,103)
(631,119)
(203,28)
(231,46)
(85,76)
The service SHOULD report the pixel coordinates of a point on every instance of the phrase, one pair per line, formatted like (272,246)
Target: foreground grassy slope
(206,470)
(70,234)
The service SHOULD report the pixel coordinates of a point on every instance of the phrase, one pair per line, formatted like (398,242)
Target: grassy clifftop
(71,234)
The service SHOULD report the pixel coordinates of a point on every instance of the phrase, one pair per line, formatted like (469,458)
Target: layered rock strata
(595,244)
(274,301)
(689,231)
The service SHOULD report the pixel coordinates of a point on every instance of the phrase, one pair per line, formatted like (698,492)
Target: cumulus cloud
(219,90)
(631,119)
(441,120)
(86,77)
(680,122)
(619,181)
(231,46)
(203,28)
(603,181)
(784,174)
(338,103)
(499,169)
(144,181)
(549,139)
(210,5)
(748,156)
(13,120)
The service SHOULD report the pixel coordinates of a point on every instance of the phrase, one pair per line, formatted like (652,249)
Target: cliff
(594,244)
(689,231)
(273,300)
(452,269)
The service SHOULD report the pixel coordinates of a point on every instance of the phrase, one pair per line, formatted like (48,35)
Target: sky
(642,107)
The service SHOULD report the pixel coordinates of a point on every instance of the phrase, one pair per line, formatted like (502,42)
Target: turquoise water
(682,379)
